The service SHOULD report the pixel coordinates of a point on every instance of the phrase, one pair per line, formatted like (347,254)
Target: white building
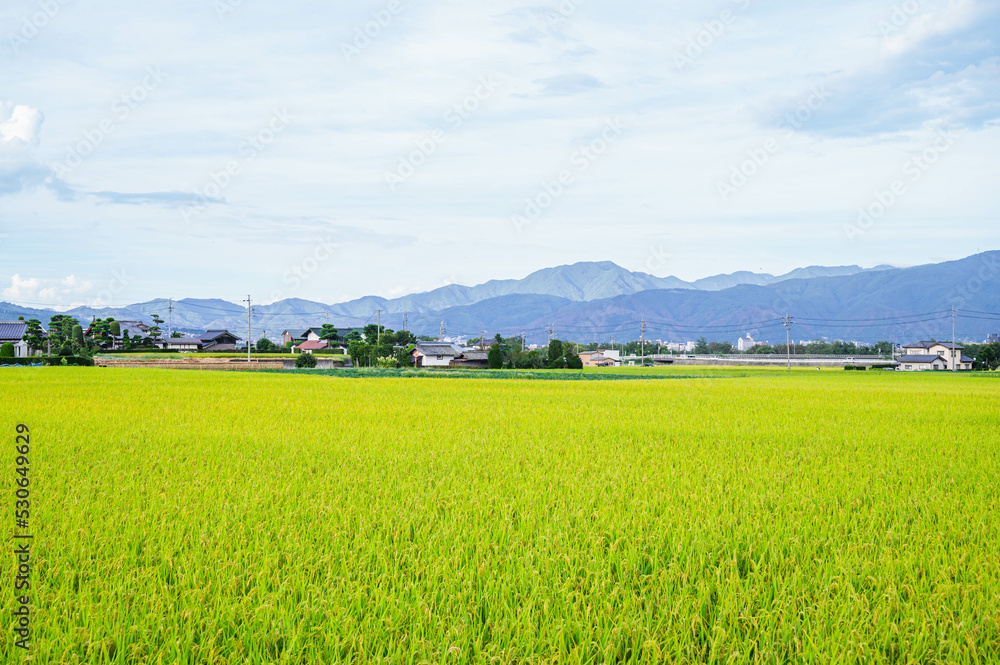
(923,356)
(13,332)
(435,354)
(745,344)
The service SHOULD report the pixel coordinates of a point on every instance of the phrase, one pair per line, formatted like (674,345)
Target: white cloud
(20,123)
(61,293)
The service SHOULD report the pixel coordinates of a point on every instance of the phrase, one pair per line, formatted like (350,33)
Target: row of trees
(67,337)
(509,353)
(987,356)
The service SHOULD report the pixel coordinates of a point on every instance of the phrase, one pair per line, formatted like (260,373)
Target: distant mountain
(601,299)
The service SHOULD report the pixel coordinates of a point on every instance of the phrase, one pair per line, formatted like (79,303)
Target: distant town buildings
(990,339)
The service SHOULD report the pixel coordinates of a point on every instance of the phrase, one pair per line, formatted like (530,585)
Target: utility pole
(170,319)
(441,334)
(482,340)
(788,340)
(378,335)
(406,321)
(612,342)
(954,344)
(249,312)
(552,333)
(522,342)
(642,338)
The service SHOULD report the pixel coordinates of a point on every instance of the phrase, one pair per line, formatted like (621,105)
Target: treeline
(67,337)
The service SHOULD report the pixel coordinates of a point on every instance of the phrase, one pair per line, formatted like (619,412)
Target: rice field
(773,517)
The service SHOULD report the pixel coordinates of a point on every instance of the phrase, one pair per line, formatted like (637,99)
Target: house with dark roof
(181,344)
(472,360)
(922,356)
(13,332)
(218,341)
(434,354)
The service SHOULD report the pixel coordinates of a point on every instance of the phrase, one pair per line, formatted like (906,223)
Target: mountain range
(588,301)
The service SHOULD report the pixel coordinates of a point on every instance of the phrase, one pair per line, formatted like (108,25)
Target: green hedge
(856,368)
(51,361)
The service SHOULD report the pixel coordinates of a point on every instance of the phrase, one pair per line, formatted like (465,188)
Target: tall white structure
(745,343)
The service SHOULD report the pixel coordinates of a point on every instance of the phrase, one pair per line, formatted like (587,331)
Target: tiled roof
(173,341)
(928,345)
(437,349)
(312,346)
(12,331)
(920,359)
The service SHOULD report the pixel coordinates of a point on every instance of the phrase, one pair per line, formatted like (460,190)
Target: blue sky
(330,150)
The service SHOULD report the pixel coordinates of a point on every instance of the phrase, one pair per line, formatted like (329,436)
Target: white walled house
(921,363)
(13,332)
(434,354)
(950,352)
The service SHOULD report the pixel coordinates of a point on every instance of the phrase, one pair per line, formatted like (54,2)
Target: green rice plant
(200,517)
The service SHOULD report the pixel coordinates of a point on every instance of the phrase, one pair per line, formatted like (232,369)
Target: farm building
(472,360)
(434,354)
(948,351)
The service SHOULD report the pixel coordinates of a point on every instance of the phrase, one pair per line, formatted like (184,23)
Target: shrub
(856,368)
(305,361)
(7,350)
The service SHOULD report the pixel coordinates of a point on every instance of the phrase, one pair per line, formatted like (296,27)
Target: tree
(573,361)
(78,339)
(329,334)
(66,349)
(701,347)
(265,345)
(175,335)
(116,329)
(720,348)
(305,361)
(495,357)
(988,357)
(126,342)
(6,350)
(555,351)
(155,331)
(34,335)
(61,329)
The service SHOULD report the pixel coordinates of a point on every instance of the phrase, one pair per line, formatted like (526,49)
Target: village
(374,345)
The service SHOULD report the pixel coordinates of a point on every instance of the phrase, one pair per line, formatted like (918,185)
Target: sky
(328,150)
